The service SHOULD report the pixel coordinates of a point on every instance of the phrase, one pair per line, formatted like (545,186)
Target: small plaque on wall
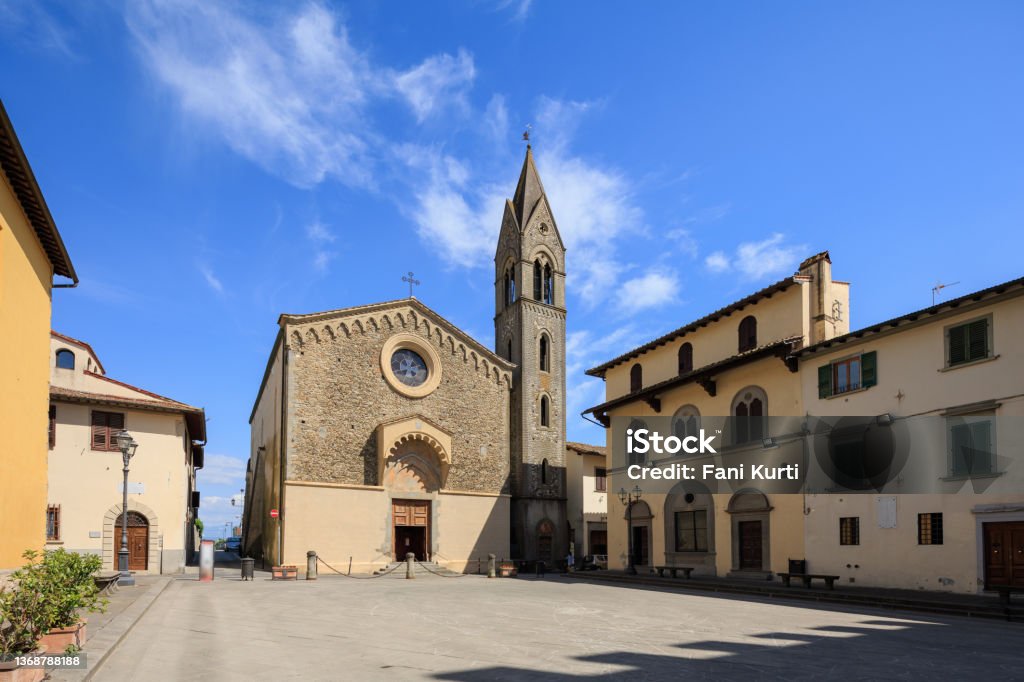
(94,534)
(134,488)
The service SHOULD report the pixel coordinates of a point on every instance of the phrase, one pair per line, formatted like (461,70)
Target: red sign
(274,513)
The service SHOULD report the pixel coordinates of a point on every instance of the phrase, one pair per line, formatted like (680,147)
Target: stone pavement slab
(472,628)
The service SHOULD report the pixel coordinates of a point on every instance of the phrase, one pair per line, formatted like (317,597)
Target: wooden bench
(808,577)
(674,570)
(106,581)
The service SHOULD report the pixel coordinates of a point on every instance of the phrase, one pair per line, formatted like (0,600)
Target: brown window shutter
(53,426)
(99,430)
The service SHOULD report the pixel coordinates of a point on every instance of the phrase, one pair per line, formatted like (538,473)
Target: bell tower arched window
(545,411)
(537,290)
(636,377)
(685,358)
(549,286)
(545,359)
(748,334)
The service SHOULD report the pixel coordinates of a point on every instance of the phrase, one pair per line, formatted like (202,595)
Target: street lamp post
(127,445)
(628,499)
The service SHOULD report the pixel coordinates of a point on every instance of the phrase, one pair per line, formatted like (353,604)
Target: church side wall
(260,535)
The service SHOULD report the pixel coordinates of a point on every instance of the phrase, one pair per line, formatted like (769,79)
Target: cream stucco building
(32,253)
(84,498)
(586,476)
(380,430)
(956,368)
(734,361)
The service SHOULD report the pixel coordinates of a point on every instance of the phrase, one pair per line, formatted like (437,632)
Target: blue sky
(211,166)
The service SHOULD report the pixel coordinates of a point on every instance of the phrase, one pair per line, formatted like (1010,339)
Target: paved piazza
(510,629)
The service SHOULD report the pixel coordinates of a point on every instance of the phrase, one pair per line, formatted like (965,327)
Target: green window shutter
(958,344)
(824,381)
(868,369)
(960,437)
(981,442)
(977,340)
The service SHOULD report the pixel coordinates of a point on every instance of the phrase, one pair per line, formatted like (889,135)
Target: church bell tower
(529,330)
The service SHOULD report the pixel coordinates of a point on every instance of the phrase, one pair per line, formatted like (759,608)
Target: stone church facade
(384,429)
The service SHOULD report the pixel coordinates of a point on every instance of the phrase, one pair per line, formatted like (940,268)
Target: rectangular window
(692,531)
(849,530)
(53,522)
(967,342)
(971,444)
(105,426)
(929,529)
(598,542)
(848,374)
(601,484)
(53,426)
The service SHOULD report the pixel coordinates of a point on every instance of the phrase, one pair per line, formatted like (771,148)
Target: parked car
(233,544)
(592,563)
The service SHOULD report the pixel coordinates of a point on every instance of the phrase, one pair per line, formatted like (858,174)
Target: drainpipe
(283,449)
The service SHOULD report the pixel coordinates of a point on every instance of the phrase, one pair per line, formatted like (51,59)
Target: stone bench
(106,581)
(808,577)
(1005,591)
(674,570)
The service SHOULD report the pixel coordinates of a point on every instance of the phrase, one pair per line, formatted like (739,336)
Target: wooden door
(640,548)
(1004,554)
(750,545)
(138,548)
(411,528)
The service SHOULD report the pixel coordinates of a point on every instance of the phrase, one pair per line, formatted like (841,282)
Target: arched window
(636,378)
(65,359)
(544,472)
(509,353)
(511,296)
(549,286)
(635,457)
(685,358)
(748,334)
(545,363)
(686,422)
(505,290)
(537,295)
(544,411)
(749,409)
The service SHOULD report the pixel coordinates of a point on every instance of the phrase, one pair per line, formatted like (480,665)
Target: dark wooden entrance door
(750,545)
(411,520)
(1004,554)
(640,548)
(138,548)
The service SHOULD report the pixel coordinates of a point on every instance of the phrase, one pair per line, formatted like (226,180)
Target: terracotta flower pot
(12,672)
(59,639)
(284,572)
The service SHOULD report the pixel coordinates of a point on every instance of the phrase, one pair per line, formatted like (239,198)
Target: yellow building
(949,381)
(31,255)
(735,361)
(586,478)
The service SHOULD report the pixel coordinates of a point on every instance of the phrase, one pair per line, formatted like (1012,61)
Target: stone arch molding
(112,538)
(392,437)
(407,319)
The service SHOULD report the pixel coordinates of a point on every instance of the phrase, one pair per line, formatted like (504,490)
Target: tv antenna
(937,289)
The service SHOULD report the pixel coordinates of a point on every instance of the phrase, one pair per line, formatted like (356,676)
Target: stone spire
(528,191)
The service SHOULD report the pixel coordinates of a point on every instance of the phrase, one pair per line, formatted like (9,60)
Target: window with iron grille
(105,426)
(53,426)
(929,529)
(53,522)
(849,530)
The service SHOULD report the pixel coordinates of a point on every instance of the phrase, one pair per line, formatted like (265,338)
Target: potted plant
(289,572)
(21,625)
(68,589)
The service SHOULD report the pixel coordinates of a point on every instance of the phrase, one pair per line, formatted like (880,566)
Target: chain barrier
(360,577)
(457,575)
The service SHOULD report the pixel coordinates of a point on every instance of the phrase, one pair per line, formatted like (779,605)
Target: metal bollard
(409,570)
(491,573)
(311,565)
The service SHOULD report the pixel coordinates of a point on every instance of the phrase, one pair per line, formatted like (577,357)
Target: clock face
(409,367)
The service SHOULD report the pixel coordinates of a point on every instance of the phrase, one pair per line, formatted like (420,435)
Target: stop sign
(274,513)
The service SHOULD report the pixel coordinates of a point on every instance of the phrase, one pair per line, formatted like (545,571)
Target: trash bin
(248,566)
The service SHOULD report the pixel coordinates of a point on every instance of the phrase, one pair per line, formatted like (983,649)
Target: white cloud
(222,470)
(682,241)
(755,260)
(439,81)
(717,262)
(318,232)
(648,291)
(520,8)
(211,279)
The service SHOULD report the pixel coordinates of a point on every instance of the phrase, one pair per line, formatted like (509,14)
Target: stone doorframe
(750,505)
(991,513)
(112,537)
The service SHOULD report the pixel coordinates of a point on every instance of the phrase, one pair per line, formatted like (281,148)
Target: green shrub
(68,587)
(22,610)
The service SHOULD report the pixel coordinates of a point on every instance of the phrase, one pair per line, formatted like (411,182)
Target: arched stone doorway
(143,538)
(545,541)
(640,532)
(750,514)
(690,528)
